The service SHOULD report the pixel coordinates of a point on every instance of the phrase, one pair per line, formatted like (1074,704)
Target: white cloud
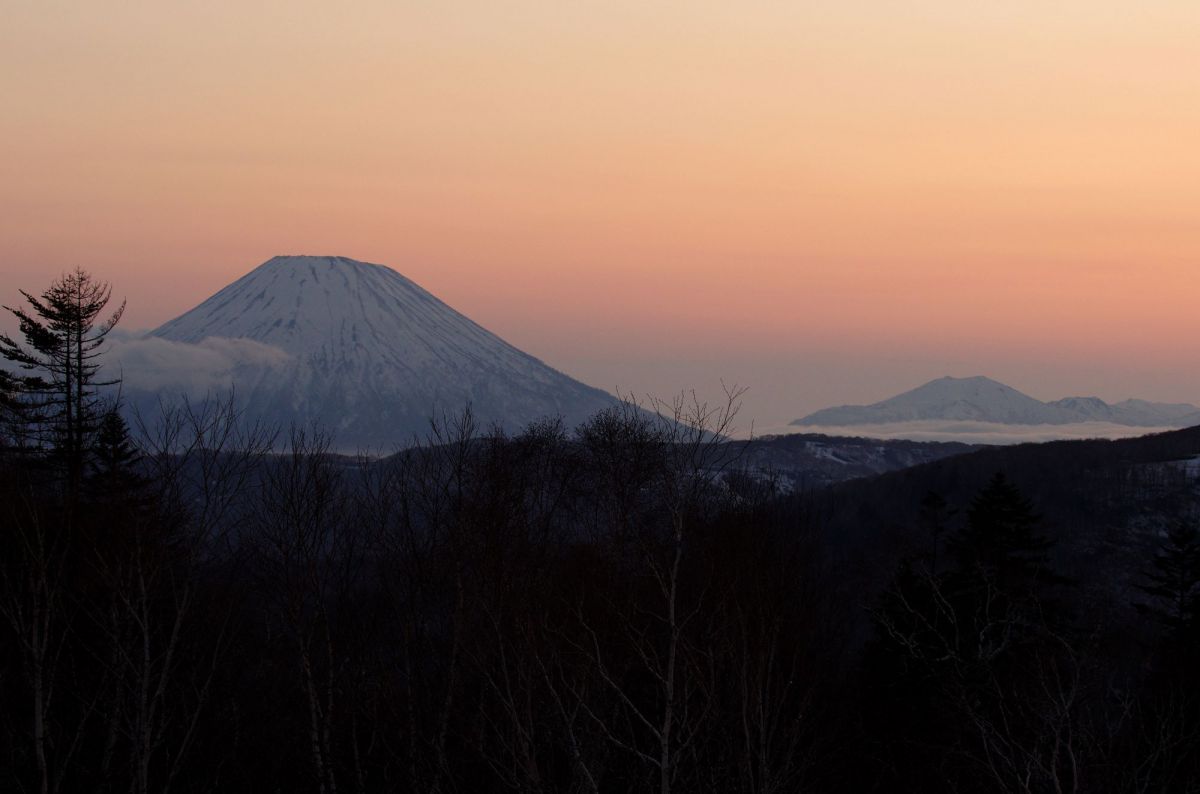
(151,364)
(975,432)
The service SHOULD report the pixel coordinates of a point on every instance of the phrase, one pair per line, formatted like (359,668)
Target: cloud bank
(151,364)
(974,432)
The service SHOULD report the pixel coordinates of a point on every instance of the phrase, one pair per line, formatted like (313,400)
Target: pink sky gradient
(826,202)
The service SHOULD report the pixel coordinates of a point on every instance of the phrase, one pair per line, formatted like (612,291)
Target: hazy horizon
(828,203)
(788,386)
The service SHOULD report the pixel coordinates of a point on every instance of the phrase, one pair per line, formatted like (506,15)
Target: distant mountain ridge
(981,399)
(361,351)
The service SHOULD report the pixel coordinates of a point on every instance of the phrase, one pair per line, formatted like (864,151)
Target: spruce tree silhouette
(1173,581)
(1000,539)
(57,391)
(112,471)
(936,516)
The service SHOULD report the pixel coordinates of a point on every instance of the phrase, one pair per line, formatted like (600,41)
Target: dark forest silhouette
(202,604)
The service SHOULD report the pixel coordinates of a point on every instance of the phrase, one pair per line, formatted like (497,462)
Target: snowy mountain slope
(1142,412)
(981,399)
(368,354)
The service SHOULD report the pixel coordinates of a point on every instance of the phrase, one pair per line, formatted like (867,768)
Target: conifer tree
(112,472)
(57,363)
(11,412)
(1174,581)
(935,518)
(1000,539)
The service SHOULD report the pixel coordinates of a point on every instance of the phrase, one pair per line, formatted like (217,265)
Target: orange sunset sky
(826,202)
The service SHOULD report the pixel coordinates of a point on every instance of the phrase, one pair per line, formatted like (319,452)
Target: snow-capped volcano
(980,399)
(368,354)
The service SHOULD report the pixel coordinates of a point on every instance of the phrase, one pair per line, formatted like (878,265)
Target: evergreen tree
(958,645)
(112,472)
(1002,584)
(12,421)
(55,385)
(1000,540)
(936,516)
(1174,581)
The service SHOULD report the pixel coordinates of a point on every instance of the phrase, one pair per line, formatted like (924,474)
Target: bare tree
(200,462)
(665,638)
(36,605)
(308,558)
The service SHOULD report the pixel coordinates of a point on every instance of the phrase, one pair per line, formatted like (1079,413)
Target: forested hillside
(198,603)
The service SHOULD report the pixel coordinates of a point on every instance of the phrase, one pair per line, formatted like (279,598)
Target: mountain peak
(972,381)
(305,304)
(372,354)
(982,399)
(301,258)
(309,260)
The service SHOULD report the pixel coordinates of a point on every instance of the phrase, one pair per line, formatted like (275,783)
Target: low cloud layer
(151,364)
(974,432)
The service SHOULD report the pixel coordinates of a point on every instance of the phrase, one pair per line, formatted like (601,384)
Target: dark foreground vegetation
(203,605)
